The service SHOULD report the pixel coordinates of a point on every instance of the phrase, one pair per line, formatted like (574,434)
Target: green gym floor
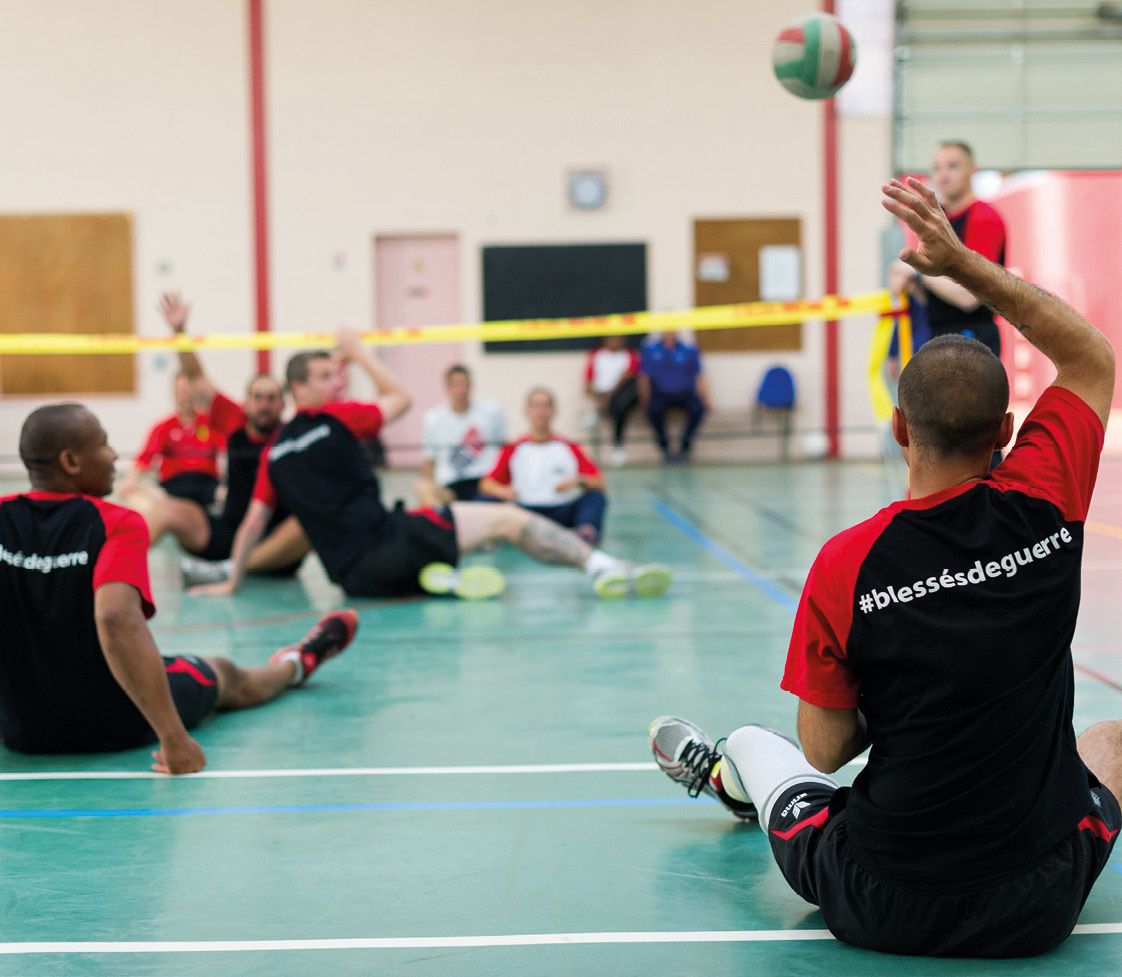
(467,791)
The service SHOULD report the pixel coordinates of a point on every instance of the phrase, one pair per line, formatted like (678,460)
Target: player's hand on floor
(182,755)
(223,589)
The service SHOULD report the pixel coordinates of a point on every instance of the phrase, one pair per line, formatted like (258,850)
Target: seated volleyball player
(549,475)
(185,445)
(79,669)
(316,470)
(938,634)
(210,537)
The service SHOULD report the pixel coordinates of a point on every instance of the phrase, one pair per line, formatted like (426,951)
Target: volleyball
(813,56)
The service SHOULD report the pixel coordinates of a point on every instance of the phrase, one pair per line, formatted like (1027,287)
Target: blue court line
(682,524)
(348,808)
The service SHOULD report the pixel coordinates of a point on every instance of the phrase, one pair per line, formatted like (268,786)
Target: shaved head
(49,431)
(954,394)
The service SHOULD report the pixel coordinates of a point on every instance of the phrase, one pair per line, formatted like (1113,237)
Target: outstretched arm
(249,534)
(1082,355)
(135,662)
(393,399)
(175,312)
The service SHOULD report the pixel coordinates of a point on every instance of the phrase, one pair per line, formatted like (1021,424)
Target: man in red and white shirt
(937,635)
(549,474)
(611,377)
(79,669)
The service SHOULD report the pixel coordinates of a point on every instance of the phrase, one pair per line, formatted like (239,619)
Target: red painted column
(260,194)
(830,200)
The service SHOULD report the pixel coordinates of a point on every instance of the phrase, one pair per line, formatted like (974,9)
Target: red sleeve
(263,489)
(364,421)
(152,446)
(818,669)
(585,465)
(985,232)
(226,417)
(501,472)
(633,363)
(124,557)
(1056,456)
(588,365)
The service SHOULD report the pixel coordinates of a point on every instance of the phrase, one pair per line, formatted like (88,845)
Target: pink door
(416,283)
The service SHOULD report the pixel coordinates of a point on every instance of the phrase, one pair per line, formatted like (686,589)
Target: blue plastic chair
(777,395)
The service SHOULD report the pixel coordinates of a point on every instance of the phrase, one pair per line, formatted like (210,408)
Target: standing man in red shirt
(937,635)
(951,307)
(79,670)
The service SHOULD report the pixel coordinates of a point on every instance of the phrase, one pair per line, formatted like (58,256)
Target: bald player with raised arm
(937,635)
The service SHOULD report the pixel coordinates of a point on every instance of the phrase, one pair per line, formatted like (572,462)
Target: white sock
(759,765)
(598,560)
(293,656)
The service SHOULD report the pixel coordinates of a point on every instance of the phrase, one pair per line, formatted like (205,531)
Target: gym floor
(468,789)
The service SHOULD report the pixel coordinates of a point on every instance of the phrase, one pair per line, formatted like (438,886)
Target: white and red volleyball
(814,56)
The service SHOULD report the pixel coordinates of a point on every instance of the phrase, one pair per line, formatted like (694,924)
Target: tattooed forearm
(544,540)
(1032,293)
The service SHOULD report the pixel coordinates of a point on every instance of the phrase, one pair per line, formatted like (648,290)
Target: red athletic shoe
(327,639)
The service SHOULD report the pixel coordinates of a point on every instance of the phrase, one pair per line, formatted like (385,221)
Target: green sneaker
(613,583)
(467,583)
(649,580)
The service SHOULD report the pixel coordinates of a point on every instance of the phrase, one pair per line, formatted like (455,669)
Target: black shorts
(221,542)
(465,490)
(410,541)
(220,545)
(1018,914)
(195,486)
(194,688)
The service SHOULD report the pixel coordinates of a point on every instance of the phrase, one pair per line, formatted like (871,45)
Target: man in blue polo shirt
(670,376)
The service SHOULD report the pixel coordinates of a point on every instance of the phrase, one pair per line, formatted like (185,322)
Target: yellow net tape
(878,355)
(743,315)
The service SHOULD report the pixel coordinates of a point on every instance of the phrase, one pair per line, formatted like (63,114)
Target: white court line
(334,772)
(452,942)
(347,772)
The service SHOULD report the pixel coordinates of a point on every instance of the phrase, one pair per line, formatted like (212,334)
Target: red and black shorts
(194,688)
(409,542)
(1018,914)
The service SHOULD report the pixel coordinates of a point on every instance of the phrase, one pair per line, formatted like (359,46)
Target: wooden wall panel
(740,241)
(66,274)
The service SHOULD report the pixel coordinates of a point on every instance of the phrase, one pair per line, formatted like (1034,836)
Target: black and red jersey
(948,621)
(318,471)
(982,230)
(57,694)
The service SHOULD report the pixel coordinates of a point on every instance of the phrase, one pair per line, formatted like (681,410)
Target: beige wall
(435,116)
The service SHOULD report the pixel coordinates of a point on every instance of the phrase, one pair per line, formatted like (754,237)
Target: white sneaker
(198,572)
(618,457)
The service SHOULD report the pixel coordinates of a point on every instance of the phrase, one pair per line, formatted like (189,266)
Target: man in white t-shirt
(610,378)
(461,442)
(549,474)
